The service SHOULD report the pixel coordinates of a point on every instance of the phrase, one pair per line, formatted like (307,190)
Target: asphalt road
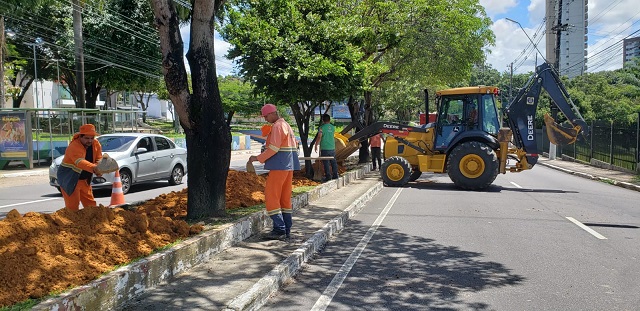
(35,195)
(538,240)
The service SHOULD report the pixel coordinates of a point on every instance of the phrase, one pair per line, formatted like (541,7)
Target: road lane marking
(325,299)
(23,203)
(584,227)
(517,186)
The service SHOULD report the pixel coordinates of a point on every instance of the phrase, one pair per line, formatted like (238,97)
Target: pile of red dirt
(44,253)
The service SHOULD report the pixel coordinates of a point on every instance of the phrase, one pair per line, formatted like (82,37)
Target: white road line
(23,203)
(325,299)
(581,225)
(517,186)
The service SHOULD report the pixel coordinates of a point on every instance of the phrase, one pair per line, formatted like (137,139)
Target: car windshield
(115,143)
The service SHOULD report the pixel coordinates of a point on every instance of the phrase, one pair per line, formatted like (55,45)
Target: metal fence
(616,144)
(50,124)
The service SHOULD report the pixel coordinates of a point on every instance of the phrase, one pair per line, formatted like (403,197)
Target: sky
(609,22)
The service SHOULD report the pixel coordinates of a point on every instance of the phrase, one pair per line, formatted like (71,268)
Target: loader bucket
(344,148)
(559,135)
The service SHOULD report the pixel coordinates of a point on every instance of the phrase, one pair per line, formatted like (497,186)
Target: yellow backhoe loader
(467,140)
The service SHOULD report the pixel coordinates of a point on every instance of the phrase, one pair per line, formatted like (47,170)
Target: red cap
(267,109)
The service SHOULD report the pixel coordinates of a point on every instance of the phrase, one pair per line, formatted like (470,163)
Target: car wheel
(176,175)
(125,179)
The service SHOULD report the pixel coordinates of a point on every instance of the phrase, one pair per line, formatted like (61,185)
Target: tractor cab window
(490,120)
(451,112)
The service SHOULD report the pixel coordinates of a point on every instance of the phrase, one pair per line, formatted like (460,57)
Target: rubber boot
(288,222)
(278,223)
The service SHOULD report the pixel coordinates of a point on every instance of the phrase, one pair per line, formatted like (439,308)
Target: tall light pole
(552,147)
(35,68)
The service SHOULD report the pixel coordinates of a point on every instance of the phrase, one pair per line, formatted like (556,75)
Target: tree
(201,113)
(237,96)
(300,53)
(428,42)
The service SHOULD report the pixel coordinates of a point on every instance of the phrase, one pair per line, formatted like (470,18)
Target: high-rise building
(566,35)
(630,49)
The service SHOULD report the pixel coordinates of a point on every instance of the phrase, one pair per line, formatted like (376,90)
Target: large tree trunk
(92,93)
(201,114)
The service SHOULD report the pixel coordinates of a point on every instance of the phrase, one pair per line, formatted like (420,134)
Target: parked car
(141,158)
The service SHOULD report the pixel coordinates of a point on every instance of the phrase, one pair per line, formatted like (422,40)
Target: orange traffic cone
(117,196)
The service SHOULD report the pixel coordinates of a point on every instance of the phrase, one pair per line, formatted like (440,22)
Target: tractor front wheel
(472,165)
(395,172)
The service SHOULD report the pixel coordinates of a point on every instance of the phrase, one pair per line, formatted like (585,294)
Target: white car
(141,158)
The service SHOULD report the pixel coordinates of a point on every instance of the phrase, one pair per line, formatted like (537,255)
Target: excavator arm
(521,113)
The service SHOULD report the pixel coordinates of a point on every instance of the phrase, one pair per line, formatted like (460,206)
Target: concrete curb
(258,294)
(34,172)
(123,284)
(622,184)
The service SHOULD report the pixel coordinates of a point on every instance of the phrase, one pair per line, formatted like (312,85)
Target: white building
(569,19)
(631,49)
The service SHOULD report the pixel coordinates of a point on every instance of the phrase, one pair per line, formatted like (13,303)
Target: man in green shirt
(327,147)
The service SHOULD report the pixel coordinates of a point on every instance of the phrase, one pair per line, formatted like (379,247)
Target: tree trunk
(92,93)
(17,100)
(201,114)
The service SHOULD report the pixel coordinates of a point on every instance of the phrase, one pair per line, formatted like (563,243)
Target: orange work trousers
(277,192)
(83,193)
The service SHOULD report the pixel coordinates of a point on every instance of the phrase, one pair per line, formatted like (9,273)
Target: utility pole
(79,53)
(35,70)
(558,28)
(510,81)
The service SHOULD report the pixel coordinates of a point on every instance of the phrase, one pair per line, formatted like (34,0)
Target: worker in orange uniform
(376,145)
(77,168)
(281,158)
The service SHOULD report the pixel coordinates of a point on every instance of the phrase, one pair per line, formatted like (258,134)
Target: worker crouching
(77,168)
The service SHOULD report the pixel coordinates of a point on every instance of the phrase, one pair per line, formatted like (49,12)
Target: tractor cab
(465,112)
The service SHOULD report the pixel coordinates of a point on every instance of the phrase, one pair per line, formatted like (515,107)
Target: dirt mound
(42,253)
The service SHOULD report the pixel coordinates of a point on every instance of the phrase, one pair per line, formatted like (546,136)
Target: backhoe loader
(467,140)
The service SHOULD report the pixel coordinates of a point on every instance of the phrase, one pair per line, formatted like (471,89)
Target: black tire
(125,178)
(395,172)
(176,175)
(472,165)
(415,175)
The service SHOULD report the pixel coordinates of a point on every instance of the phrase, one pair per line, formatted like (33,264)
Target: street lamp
(532,43)
(35,66)
(552,147)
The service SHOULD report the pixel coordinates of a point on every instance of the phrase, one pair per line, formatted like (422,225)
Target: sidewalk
(622,179)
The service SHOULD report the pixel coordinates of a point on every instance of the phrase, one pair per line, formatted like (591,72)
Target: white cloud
(511,41)
(536,9)
(495,7)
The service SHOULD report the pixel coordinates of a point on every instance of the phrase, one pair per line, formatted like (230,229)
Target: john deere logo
(530,101)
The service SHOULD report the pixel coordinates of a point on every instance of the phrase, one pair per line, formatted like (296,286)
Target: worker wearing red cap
(281,159)
(77,168)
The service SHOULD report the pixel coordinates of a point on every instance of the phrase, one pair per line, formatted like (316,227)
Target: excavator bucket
(559,135)
(344,148)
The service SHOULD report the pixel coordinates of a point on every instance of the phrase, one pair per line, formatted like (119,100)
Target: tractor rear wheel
(395,172)
(472,165)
